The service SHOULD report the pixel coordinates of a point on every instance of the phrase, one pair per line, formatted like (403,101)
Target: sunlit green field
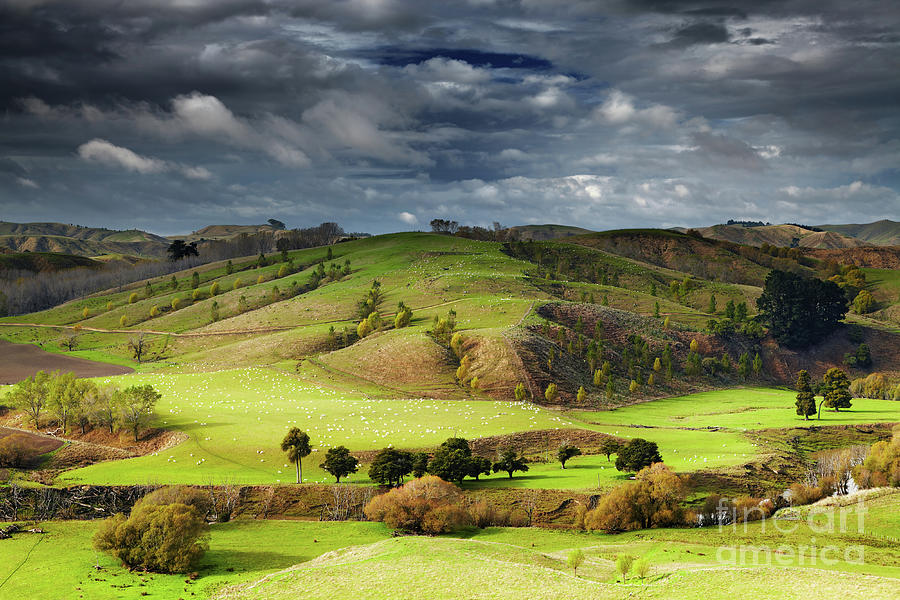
(236,419)
(741,408)
(359,560)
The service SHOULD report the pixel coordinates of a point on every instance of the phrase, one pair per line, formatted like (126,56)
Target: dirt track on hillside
(19,361)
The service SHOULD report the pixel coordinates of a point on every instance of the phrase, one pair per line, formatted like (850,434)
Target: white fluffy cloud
(408,218)
(107,153)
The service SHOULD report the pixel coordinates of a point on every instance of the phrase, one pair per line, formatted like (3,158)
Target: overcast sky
(169,115)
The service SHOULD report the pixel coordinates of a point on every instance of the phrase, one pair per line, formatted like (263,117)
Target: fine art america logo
(825,521)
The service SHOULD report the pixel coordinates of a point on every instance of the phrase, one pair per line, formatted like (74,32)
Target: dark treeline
(24,292)
(497,232)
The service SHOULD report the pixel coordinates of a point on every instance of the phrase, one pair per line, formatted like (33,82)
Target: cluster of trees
(861,357)
(876,385)
(338,460)
(882,466)
(653,499)
(24,291)
(735,319)
(166,532)
(835,390)
(83,403)
(800,311)
(452,461)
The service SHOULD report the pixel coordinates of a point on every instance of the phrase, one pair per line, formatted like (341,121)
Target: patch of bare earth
(21,361)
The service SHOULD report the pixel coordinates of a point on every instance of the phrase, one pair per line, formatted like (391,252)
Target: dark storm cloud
(384,113)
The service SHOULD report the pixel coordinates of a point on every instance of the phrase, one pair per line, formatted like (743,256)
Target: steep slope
(880,233)
(701,257)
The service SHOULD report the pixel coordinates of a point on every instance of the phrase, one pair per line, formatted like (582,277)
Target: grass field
(740,409)
(235,420)
(359,560)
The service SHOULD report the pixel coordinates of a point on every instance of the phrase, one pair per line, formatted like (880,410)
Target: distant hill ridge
(822,237)
(222,232)
(63,238)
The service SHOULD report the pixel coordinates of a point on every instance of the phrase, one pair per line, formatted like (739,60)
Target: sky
(169,115)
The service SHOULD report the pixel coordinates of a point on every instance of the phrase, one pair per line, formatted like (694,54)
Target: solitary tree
(642,566)
(806,401)
(581,396)
(757,365)
(339,462)
(623,565)
(837,390)
(551,393)
(565,452)
(519,392)
(575,559)
(296,444)
(637,454)
(510,462)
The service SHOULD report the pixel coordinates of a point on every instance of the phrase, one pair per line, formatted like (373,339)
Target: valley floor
(788,558)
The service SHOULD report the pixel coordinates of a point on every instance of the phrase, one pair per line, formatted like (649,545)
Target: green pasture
(359,560)
(739,409)
(60,564)
(236,419)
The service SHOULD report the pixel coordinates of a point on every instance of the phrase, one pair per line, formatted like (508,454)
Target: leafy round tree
(575,559)
(296,444)
(390,466)
(637,454)
(566,452)
(510,462)
(451,462)
(806,401)
(340,463)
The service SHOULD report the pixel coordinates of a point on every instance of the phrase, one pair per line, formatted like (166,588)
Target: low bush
(652,500)
(158,536)
(425,505)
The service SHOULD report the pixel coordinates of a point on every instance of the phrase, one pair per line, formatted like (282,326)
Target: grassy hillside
(881,233)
